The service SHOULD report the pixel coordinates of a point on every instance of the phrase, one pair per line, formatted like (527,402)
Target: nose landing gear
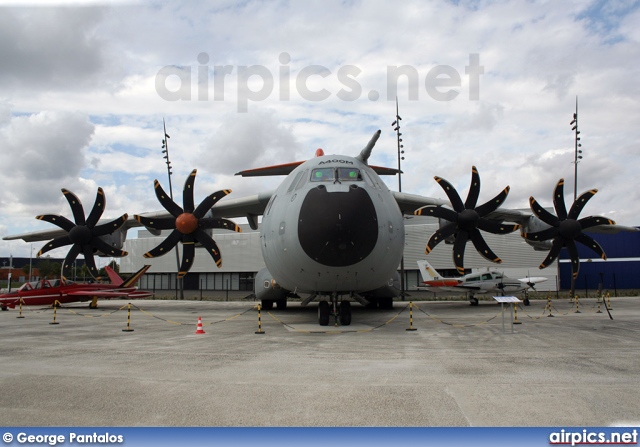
(340,311)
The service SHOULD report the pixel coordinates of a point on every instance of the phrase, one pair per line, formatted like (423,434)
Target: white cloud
(79,106)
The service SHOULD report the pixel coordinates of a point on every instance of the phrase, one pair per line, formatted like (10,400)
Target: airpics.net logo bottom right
(254,83)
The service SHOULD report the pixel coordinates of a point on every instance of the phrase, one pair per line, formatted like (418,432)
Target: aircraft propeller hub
(569,228)
(80,234)
(468,219)
(186,223)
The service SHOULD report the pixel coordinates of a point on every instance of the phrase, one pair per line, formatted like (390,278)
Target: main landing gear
(341,311)
(268,304)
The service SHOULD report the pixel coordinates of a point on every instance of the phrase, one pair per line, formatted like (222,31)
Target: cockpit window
(336,174)
(322,175)
(349,174)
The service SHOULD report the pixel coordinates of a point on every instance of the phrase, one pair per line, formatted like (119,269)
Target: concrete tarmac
(458,368)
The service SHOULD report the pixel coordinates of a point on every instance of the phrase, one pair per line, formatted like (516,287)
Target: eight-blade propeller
(465,221)
(84,235)
(566,228)
(188,224)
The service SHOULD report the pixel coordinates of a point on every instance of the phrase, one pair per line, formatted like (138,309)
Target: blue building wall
(620,271)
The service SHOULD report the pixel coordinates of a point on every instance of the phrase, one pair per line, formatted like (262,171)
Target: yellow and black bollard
(259,331)
(577,305)
(599,311)
(55,311)
(128,329)
(20,316)
(411,328)
(515,314)
(609,301)
(549,306)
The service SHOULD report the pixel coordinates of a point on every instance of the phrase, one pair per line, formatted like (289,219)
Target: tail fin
(113,276)
(427,271)
(135,277)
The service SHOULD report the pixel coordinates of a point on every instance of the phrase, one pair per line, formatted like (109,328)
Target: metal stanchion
(411,328)
(20,316)
(128,329)
(259,331)
(55,312)
(515,314)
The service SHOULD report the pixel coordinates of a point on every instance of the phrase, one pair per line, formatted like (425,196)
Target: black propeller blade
(188,224)
(566,228)
(466,220)
(84,235)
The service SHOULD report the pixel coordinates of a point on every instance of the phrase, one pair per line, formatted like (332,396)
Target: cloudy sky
(85,86)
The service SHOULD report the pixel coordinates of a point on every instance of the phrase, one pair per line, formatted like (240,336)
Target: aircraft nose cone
(337,229)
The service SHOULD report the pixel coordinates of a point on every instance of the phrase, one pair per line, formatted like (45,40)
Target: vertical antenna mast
(165,151)
(396,123)
(577,156)
(396,127)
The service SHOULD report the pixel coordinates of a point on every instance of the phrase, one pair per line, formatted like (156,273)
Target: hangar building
(242,259)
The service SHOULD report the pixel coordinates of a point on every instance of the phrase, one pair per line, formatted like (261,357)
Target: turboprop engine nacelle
(533,225)
(266,288)
(115,240)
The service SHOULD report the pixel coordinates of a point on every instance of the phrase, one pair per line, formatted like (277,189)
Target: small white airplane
(475,283)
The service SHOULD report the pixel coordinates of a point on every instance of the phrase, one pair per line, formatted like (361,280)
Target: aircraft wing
(408,203)
(533,280)
(448,289)
(249,207)
(253,205)
(37,236)
(113,293)
(287,168)
(522,217)
(107,293)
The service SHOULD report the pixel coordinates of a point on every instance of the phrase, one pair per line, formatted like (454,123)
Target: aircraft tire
(267,305)
(323,313)
(345,313)
(385,303)
(281,304)
(473,301)
(526,302)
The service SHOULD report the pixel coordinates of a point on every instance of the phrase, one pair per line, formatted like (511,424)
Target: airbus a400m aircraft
(331,230)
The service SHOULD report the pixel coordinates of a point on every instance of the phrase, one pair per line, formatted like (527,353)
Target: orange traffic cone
(199,329)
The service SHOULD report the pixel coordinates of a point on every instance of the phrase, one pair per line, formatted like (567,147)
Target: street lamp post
(396,128)
(577,153)
(577,156)
(30,262)
(165,151)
